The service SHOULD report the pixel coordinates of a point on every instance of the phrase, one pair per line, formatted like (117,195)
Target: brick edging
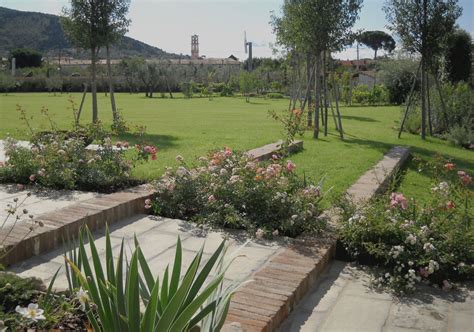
(64,223)
(263,304)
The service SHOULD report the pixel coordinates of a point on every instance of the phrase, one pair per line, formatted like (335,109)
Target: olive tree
(423,26)
(316,27)
(83,27)
(114,24)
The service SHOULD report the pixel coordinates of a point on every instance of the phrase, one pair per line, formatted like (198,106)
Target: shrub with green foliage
(452,116)
(274,95)
(432,243)
(62,163)
(362,94)
(397,76)
(228,189)
(7,83)
(25,57)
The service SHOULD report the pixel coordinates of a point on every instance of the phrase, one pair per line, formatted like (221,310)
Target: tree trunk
(341,131)
(410,96)
(423,100)
(375,55)
(82,104)
(309,98)
(423,71)
(441,98)
(428,101)
(95,115)
(325,95)
(317,101)
(111,86)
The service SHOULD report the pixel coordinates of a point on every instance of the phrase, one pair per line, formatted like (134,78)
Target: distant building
(194,47)
(362,64)
(365,78)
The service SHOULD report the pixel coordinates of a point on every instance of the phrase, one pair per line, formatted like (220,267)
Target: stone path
(40,201)
(157,237)
(345,301)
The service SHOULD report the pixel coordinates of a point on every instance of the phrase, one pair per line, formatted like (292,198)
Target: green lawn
(190,127)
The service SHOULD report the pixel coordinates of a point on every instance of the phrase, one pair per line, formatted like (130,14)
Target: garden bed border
(263,304)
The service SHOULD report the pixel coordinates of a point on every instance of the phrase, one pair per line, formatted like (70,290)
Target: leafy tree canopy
(377,40)
(458,56)
(316,25)
(25,57)
(423,25)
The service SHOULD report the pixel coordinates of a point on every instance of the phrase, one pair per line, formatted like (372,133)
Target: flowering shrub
(57,162)
(230,190)
(433,243)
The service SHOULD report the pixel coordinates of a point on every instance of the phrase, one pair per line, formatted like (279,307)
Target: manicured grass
(191,127)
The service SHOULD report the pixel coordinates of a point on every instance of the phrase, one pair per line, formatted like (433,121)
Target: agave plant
(173,303)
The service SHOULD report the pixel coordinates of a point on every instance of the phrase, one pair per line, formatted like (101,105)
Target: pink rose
(259,233)
(125,145)
(227,152)
(290,166)
(211,199)
(397,199)
(32,177)
(449,166)
(450,205)
(118,144)
(423,272)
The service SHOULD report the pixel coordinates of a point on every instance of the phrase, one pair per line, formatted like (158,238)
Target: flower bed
(431,243)
(228,189)
(65,163)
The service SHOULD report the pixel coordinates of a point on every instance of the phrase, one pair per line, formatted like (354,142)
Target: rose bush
(431,243)
(59,162)
(228,189)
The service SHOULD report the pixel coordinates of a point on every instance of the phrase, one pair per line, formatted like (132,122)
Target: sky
(220,24)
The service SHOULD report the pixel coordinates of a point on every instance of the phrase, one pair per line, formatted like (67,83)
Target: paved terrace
(41,200)
(157,237)
(344,300)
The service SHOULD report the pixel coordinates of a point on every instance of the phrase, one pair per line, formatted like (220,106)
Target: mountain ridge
(44,33)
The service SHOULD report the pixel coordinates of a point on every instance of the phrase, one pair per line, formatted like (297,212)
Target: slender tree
(423,26)
(316,27)
(114,24)
(82,25)
(377,40)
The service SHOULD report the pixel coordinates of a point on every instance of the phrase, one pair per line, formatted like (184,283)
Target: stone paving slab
(344,300)
(41,200)
(376,180)
(157,237)
(266,151)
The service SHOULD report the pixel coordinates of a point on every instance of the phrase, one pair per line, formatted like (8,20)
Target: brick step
(62,224)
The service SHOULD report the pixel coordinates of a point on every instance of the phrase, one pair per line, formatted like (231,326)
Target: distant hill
(43,32)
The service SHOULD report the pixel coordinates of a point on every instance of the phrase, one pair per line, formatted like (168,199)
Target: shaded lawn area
(191,127)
